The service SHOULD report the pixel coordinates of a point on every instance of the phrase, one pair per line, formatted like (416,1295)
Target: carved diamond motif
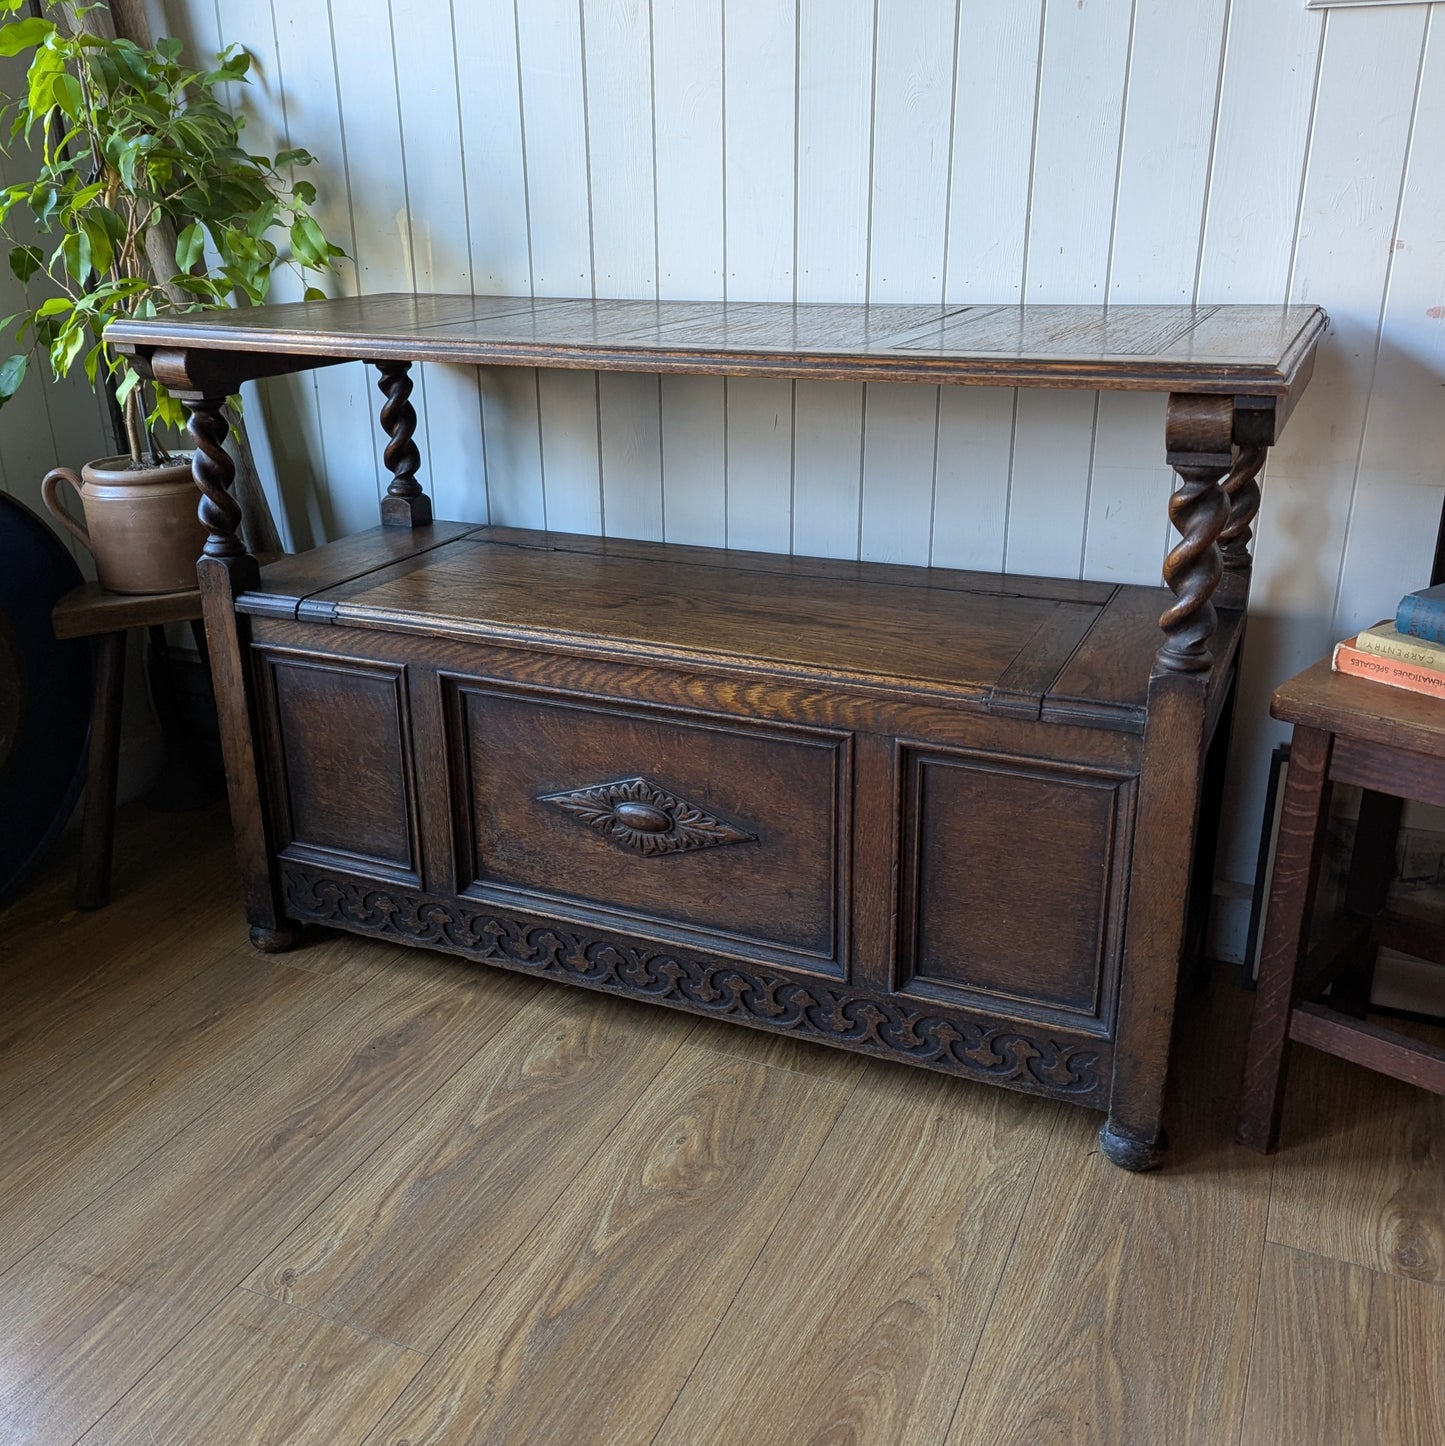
(645,818)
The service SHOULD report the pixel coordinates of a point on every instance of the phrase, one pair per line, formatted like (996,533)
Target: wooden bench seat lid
(1011,644)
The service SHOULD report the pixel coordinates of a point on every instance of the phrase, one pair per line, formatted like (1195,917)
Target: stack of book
(1408,653)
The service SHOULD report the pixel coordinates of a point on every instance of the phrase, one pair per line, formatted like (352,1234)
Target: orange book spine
(1352,660)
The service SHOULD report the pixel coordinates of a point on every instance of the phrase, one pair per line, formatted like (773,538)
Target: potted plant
(143,201)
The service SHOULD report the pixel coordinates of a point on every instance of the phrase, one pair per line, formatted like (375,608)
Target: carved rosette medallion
(647,819)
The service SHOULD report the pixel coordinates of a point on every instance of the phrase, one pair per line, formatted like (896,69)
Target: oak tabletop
(1231,349)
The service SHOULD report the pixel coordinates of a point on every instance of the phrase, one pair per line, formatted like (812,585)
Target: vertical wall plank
(835,93)
(1049,494)
(970,505)
(618,39)
(827,467)
(759,84)
(1174,73)
(431,140)
(996,91)
(835,90)
(912,127)
(1081,96)
(759,464)
(899,447)
(494,175)
(1076,149)
(1266,97)
(687,81)
(1124,540)
(694,461)
(631,455)
(997,67)
(549,44)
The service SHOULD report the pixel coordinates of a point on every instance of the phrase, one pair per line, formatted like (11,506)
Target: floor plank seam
(335,1320)
(1374,1270)
(758,1254)
(1254,1314)
(1002,1271)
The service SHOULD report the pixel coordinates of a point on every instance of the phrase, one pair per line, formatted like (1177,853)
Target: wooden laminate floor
(365,1194)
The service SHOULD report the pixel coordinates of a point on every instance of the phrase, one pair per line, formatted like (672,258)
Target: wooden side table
(1391,743)
(92,612)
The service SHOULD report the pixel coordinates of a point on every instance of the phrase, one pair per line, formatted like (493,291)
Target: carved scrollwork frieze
(950,1041)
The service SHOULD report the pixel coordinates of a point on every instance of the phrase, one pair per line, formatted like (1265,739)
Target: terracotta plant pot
(140,524)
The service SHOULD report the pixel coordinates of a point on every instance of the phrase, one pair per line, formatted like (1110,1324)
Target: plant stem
(135,433)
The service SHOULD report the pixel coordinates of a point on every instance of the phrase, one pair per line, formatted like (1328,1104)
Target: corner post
(405,503)
(224,571)
(1199,444)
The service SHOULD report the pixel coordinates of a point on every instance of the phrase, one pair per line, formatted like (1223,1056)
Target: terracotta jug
(140,525)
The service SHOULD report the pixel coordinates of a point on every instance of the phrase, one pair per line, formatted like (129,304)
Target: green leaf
(92,362)
(295,157)
(23,35)
(190,246)
(102,253)
(315,293)
(75,252)
(43,201)
(128,383)
(54,306)
(304,192)
(69,96)
(68,346)
(12,373)
(168,410)
(307,243)
(25,261)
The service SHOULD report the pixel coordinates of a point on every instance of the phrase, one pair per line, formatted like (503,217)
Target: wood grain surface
(607,1225)
(612,1299)
(1376,1148)
(1342,1356)
(1102,1305)
(903,1264)
(93,1307)
(268,1374)
(413,1238)
(1237,348)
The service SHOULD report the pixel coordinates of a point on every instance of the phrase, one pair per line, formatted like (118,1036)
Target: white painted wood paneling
(688,113)
(971,149)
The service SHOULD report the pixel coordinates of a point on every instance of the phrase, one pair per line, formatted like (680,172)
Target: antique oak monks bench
(959,820)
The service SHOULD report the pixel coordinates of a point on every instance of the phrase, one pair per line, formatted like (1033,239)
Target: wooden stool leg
(1302,826)
(1372,867)
(97,832)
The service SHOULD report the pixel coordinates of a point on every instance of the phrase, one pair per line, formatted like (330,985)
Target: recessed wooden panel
(1013,879)
(341,761)
(757,862)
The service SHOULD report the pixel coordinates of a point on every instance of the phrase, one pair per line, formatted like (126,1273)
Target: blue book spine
(1422,614)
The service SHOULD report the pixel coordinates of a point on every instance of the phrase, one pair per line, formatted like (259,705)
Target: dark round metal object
(45,696)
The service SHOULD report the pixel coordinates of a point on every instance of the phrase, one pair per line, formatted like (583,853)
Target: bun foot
(1130,1154)
(276,941)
